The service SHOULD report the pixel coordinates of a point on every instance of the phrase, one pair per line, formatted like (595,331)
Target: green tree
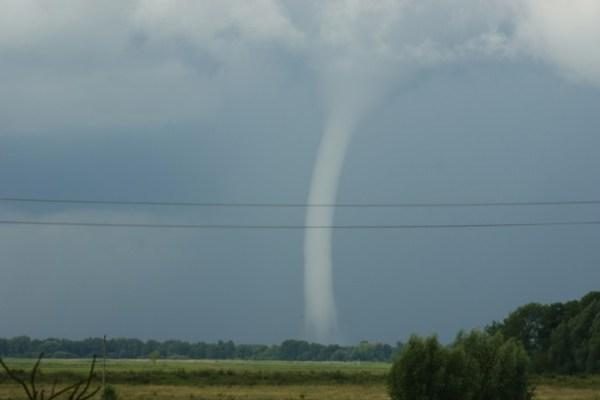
(499,368)
(425,370)
(478,366)
(154,356)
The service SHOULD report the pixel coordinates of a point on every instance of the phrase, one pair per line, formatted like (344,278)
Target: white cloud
(214,25)
(565,33)
(132,62)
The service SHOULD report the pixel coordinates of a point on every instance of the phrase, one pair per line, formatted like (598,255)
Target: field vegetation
(561,342)
(257,380)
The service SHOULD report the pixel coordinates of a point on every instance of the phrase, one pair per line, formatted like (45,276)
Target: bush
(477,366)
(110,393)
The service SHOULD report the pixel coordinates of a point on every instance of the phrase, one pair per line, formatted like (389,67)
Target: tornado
(320,309)
(363,53)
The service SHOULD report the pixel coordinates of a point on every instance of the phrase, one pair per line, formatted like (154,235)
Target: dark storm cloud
(137,101)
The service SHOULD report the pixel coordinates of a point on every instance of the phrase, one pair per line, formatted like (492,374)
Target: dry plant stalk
(73,391)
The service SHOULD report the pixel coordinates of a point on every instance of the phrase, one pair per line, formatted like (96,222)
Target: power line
(292,227)
(299,205)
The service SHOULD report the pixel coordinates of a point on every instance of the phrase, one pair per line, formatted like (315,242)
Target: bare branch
(53,387)
(33,373)
(33,394)
(16,379)
(89,379)
(92,394)
(77,386)
(64,390)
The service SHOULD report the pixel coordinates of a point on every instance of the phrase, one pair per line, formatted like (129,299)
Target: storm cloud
(459,100)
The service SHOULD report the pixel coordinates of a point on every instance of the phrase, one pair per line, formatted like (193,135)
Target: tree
(426,370)
(20,345)
(3,347)
(499,368)
(154,356)
(560,337)
(478,366)
(293,349)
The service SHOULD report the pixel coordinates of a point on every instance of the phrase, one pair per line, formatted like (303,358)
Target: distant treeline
(292,350)
(560,338)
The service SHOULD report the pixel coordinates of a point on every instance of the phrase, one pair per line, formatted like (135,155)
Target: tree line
(561,338)
(289,350)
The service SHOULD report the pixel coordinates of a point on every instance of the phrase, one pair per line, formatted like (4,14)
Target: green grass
(210,373)
(170,365)
(574,381)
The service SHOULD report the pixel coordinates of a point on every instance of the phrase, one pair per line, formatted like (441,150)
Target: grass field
(268,380)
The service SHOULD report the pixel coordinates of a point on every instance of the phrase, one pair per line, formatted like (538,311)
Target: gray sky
(226,102)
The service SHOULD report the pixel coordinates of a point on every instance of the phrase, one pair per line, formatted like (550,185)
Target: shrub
(110,393)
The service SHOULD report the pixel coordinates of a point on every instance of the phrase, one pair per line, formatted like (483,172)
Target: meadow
(256,380)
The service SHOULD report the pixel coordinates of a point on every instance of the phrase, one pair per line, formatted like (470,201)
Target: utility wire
(299,205)
(292,227)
